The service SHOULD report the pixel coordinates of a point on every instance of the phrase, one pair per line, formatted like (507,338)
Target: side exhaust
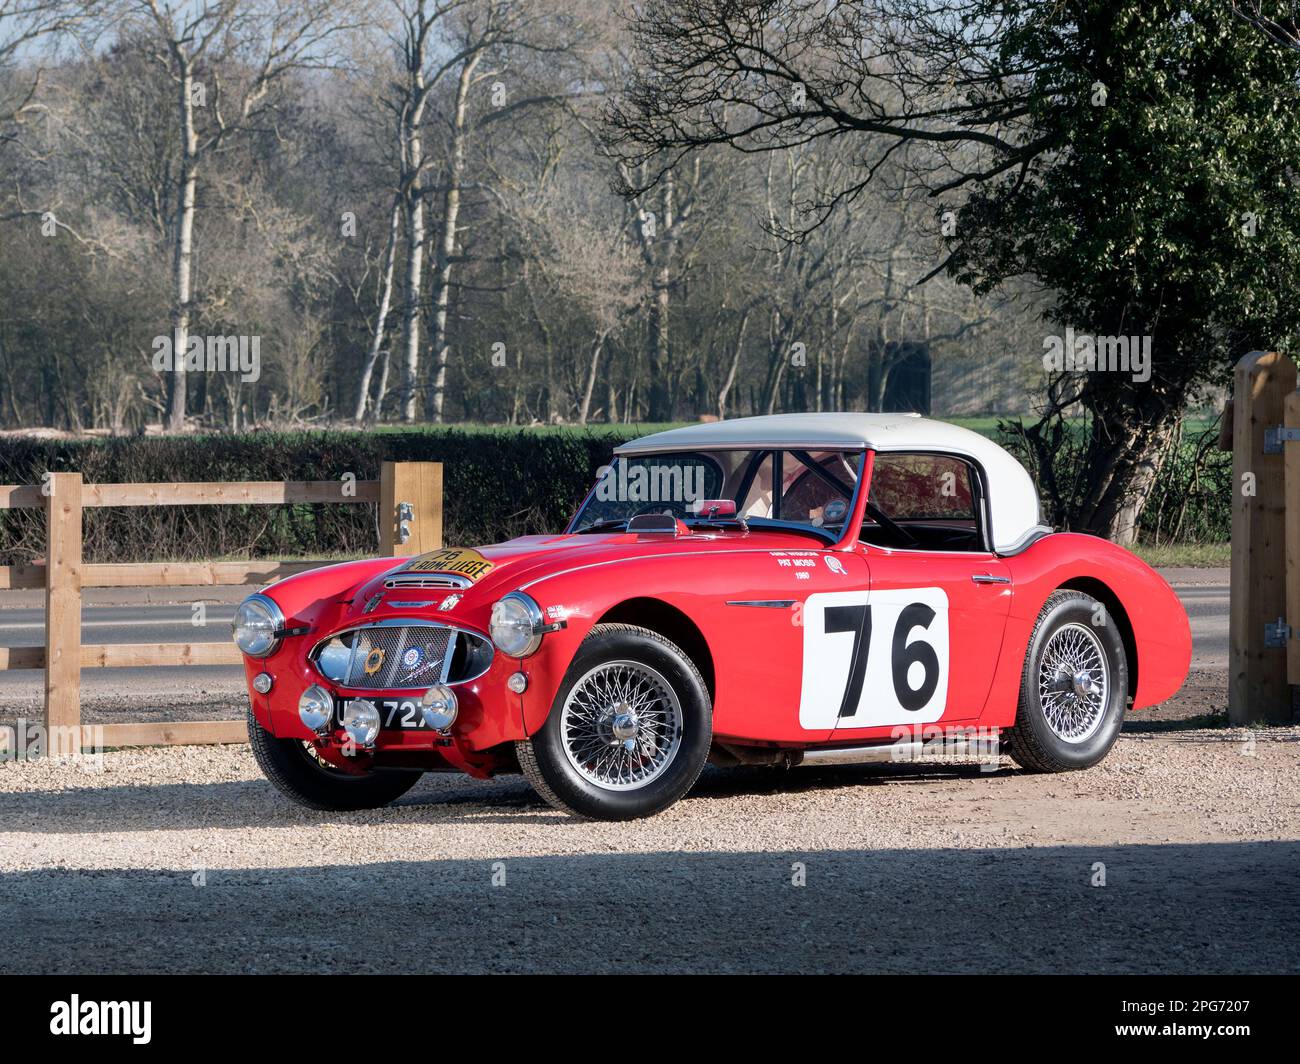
(982,746)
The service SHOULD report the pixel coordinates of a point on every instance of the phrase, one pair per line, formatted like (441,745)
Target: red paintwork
(754,655)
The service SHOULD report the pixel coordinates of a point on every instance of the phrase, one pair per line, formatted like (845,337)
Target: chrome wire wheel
(621,725)
(1074,683)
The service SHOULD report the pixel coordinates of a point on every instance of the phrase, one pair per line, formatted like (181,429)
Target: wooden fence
(409,497)
(1263,424)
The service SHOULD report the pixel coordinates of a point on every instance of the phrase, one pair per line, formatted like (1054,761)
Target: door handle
(989,578)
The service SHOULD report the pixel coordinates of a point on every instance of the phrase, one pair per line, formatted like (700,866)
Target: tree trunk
(597,346)
(381,318)
(183,261)
(447,245)
(382,393)
(657,349)
(1126,451)
(725,390)
(413,204)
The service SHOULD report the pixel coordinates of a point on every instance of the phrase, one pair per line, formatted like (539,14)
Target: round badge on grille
(374,661)
(412,657)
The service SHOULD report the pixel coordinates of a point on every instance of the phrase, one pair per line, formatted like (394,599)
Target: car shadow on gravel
(1209,908)
(249,803)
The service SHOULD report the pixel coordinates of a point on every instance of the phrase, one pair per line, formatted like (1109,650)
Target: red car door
(920,644)
(936,622)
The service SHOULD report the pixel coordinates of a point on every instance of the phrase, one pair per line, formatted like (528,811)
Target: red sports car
(784,590)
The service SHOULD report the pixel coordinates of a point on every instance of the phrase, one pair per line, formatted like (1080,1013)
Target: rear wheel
(293,767)
(1074,687)
(629,731)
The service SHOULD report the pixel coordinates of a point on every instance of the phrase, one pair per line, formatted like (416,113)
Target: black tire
(295,773)
(548,767)
(1032,742)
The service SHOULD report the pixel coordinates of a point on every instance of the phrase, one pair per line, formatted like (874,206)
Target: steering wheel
(895,529)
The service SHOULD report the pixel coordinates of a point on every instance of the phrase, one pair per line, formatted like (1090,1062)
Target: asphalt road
(1204,592)
(24,626)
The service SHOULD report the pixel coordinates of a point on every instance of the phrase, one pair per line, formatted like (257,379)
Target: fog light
(262,682)
(438,707)
(316,708)
(517,682)
(361,721)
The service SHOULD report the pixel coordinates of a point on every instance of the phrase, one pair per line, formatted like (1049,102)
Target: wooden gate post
(1291,461)
(410,498)
(1257,664)
(62,603)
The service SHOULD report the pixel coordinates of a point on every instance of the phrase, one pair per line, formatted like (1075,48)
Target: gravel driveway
(185,860)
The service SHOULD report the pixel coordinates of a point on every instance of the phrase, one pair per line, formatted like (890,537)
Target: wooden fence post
(62,603)
(1257,673)
(410,495)
(1291,461)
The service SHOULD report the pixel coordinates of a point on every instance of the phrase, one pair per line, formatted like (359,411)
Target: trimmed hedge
(498,483)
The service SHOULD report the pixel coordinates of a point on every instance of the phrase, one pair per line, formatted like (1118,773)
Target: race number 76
(874,659)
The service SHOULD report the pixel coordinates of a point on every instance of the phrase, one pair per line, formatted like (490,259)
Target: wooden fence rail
(409,497)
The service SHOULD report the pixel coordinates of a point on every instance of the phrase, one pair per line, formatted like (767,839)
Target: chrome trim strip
(765,604)
(711,554)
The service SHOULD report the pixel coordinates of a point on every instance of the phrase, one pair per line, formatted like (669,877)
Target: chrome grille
(397,656)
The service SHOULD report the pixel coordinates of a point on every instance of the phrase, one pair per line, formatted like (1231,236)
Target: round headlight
(516,625)
(316,708)
(257,626)
(361,721)
(438,707)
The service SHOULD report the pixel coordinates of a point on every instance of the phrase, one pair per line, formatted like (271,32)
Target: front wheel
(295,770)
(629,731)
(1074,687)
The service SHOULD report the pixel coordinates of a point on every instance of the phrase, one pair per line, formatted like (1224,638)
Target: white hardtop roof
(1013,500)
(879,432)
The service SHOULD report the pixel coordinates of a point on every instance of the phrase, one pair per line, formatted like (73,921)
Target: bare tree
(226,59)
(422,66)
(492,38)
(23,23)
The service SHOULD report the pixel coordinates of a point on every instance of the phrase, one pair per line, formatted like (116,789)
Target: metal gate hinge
(1277,633)
(1278,435)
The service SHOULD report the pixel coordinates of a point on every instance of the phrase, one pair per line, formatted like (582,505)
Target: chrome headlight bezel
(273,625)
(520,623)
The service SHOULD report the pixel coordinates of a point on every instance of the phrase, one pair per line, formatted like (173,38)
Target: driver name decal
(873,658)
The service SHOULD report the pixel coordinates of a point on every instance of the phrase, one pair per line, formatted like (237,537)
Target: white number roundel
(874,658)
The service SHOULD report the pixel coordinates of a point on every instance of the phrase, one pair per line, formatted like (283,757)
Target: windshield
(803,490)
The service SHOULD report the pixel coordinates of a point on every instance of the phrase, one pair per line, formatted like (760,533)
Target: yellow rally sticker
(462,560)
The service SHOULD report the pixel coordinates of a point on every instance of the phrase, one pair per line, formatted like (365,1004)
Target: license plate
(396,714)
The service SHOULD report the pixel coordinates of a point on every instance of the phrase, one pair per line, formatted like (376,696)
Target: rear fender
(1152,621)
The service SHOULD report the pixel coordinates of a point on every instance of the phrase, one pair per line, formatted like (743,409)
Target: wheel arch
(671,623)
(1104,594)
